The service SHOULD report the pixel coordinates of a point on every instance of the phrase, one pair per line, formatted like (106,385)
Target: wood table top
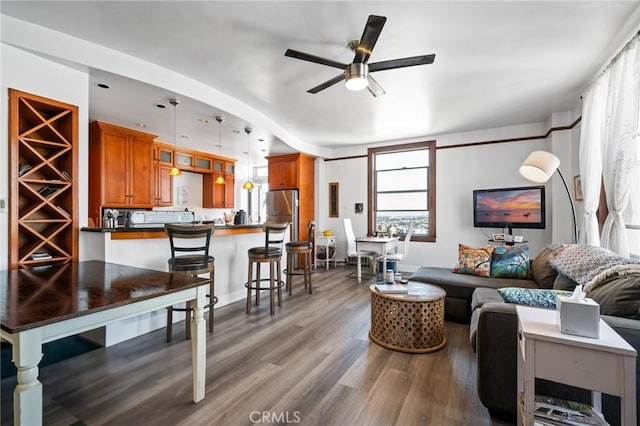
(31,298)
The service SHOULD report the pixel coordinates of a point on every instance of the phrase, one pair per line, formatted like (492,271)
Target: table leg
(359,266)
(627,402)
(27,396)
(199,344)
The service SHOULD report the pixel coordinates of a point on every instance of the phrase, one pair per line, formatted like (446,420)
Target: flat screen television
(522,207)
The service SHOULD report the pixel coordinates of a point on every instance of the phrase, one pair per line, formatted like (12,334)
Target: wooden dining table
(48,303)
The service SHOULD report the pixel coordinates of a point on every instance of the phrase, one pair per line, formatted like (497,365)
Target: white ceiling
(497,64)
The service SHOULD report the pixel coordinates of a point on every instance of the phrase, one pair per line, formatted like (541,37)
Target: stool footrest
(275,287)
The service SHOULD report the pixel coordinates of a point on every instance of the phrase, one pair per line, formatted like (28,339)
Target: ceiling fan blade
(312,58)
(327,84)
(401,63)
(374,88)
(369,38)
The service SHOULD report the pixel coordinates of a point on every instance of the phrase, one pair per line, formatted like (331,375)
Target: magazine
(556,411)
(391,288)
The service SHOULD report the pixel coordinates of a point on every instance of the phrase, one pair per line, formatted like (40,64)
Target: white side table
(326,242)
(606,364)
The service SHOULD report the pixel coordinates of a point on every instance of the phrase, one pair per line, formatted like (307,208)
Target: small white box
(578,318)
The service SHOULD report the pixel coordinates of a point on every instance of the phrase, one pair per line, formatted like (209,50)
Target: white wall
(460,170)
(30,73)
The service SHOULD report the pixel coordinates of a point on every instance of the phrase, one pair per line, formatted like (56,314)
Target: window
(402,188)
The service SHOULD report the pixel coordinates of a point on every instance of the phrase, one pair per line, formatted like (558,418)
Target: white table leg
(627,402)
(359,266)
(27,396)
(199,344)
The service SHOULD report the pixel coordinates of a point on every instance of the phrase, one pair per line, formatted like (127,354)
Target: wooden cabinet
(284,171)
(295,171)
(43,174)
(203,163)
(219,195)
(184,160)
(162,181)
(120,168)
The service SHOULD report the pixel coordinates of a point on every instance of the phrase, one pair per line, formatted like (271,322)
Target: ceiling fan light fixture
(355,76)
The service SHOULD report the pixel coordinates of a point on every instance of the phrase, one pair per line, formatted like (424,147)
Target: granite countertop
(160,228)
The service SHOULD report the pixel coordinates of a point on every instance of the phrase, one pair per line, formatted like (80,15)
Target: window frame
(431,186)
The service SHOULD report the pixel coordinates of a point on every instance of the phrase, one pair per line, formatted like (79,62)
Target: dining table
(379,245)
(47,303)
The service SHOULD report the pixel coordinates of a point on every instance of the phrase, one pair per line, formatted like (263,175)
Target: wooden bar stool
(294,250)
(182,239)
(270,253)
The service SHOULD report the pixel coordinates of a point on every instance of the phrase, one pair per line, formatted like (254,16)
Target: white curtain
(614,137)
(591,136)
(621,143)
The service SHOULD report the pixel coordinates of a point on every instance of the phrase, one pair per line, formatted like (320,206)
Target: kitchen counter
(139,232)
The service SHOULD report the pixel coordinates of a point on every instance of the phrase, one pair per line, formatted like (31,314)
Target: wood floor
(311,363)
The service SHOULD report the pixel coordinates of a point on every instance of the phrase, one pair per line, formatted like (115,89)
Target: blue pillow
(539,298)
(510,262)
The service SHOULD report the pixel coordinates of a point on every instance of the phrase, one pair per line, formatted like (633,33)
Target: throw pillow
(510,262)
(619,296)
(474,260)
(542,272)
(539,298)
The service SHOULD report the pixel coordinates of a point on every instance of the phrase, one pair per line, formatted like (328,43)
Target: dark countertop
(160,228)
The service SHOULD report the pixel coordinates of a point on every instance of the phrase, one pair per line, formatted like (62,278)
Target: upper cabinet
(284,171)
(218,188)
(162,181)
(120,168)
(42,174)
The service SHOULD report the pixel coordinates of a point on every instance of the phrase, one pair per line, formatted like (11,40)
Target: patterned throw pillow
(539,298)
(510,262)
(474,261)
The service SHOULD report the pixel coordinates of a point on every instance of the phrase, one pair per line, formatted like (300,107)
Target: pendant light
(174,170)
(248,185)
(220,179)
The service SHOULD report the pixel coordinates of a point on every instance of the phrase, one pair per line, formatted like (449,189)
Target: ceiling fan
(357,75)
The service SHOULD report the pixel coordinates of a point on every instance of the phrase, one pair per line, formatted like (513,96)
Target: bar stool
(196,262)
(294,250)
(270,253)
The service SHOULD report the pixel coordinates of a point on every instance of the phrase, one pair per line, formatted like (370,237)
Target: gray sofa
(493,327)
(460,288)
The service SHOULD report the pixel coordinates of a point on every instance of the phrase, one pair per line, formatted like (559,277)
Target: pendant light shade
(248,185)
(174,170)
(220,179)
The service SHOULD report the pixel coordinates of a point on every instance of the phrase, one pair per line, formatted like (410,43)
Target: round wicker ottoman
(406,323)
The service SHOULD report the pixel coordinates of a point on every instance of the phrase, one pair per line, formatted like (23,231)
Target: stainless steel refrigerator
(282,206)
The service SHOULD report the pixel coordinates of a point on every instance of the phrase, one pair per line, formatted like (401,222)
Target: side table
(413,324)
(328,243)
(606,364)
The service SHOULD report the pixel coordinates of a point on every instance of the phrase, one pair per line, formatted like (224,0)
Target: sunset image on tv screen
(517,206)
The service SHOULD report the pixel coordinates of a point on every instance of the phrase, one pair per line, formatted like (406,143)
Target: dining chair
(371,256)
(404,252)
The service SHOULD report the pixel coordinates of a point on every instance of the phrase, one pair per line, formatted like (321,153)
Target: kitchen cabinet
(162,181)
(284,171)
(43,175)
(218,195)
(203,163)
(295,171)
(184,160)
(120,168)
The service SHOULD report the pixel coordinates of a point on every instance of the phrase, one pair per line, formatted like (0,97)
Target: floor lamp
(539,167)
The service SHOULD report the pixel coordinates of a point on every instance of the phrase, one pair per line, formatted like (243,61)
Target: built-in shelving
(43,135)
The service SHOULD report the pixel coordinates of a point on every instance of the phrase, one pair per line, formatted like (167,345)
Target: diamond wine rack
(43,172)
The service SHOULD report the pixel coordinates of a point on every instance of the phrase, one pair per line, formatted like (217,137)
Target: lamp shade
(539,166)
(356,76)
(248,185)
(175,172)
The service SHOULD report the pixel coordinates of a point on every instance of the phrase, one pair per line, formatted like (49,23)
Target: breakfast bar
(48,303)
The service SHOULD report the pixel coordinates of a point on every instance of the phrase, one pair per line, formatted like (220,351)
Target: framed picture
(359,207)
(577,188)
(497,237)
(333,199)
